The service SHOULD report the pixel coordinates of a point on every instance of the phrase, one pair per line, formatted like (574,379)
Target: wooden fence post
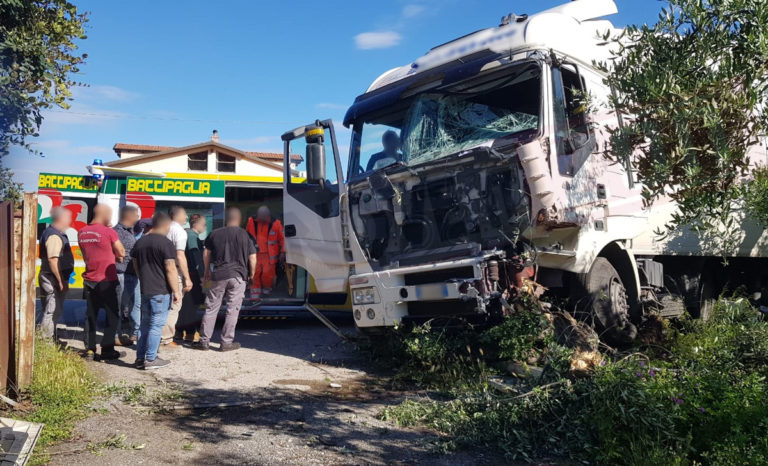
(27,297)
(7,302)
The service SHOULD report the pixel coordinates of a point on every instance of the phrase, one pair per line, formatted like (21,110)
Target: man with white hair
(56,266)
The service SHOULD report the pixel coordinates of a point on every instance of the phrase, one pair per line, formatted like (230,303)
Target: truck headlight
(364,296)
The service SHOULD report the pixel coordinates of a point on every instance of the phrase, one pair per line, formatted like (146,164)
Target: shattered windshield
(440,123)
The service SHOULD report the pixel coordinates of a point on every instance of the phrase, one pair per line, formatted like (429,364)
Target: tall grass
(62,386)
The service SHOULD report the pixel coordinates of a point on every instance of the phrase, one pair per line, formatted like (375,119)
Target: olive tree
(692,89)
(38,58)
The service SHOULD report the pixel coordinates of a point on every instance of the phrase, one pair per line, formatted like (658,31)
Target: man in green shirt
(189,321)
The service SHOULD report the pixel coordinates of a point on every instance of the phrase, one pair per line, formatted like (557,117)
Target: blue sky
(168,73)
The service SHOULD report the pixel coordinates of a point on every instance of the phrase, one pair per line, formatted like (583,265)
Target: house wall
(178,164)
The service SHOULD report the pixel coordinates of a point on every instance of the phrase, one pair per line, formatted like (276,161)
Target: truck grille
(439,276)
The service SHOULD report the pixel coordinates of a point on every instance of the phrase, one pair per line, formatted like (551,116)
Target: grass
(697,397)
(61,389)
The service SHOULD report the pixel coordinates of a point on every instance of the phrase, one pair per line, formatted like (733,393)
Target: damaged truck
(477,171)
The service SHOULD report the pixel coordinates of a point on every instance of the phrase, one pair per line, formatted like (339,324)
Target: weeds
(699,399)
(61,389)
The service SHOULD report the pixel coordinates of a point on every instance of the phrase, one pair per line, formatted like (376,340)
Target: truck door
(312,205)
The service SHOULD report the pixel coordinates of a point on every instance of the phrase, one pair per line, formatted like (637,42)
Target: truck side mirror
(315,159)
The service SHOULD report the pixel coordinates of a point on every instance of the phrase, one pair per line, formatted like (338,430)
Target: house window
(198,162)
(225,163)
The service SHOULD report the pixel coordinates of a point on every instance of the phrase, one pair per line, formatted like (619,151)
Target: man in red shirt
(101,249)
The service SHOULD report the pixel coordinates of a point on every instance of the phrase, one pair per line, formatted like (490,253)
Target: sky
(169,73)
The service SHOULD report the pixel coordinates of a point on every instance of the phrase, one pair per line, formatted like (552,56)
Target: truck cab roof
(575,29)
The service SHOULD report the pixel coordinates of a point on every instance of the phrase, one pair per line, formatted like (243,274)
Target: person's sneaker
(171,346)
(200,346)
(156,364)
(230,347)
(88,355)
(139,364)
(111,354)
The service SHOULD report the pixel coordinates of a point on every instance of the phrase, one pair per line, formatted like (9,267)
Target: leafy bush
(704,402)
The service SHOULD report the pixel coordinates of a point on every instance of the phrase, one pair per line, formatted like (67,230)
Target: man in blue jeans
(154,261)
(128,293)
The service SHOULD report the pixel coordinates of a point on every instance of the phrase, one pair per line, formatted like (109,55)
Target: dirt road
(285,371)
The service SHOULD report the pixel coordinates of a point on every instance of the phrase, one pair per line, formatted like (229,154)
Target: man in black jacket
(56,266)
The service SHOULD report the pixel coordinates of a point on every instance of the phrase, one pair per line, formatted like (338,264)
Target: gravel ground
(284,371)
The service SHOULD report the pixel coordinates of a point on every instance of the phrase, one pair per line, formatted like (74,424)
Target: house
(206,160)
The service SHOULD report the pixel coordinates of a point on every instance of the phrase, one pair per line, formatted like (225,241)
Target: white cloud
(114,93)
(411,11)
(377,40)
(102,92)
(330,106)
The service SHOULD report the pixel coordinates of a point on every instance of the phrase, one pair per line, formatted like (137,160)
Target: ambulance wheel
(605,304)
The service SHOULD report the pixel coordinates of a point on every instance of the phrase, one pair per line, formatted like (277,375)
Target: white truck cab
(479,168)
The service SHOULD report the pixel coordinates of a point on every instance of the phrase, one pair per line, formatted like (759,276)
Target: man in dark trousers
(128,294)
(101,249)
(189,322)
(154,260)
(232,254)
(56,265)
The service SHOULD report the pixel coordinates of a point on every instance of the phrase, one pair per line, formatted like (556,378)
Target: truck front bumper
(444,289)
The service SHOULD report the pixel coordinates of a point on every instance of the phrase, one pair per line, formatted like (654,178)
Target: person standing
(56,266)
(178,237)
(189,323)
(271,246)
(101,249)
(128,293)
(232,254)
(154,260)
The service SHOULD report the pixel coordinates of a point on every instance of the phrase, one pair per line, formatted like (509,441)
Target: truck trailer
(477,170)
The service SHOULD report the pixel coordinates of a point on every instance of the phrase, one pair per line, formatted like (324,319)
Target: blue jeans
(129,297)
(154,313)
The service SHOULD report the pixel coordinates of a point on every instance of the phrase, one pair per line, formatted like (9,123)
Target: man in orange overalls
(271,249)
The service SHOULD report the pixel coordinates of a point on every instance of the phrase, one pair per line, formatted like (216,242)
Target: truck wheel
(607,305)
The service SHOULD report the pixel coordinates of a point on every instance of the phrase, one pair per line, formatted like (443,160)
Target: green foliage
(10,190)
(60,391)
(447,359)
(518,337)
(459,358)
(704,403)
(37,60)
(695,86)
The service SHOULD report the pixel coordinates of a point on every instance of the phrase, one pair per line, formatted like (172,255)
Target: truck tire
(605,304)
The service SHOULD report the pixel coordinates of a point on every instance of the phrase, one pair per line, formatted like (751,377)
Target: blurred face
(181,217)
(200,226)
(130,219)
(162,229)
(263,215)
(64,221)
(105,216)
(391,143)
